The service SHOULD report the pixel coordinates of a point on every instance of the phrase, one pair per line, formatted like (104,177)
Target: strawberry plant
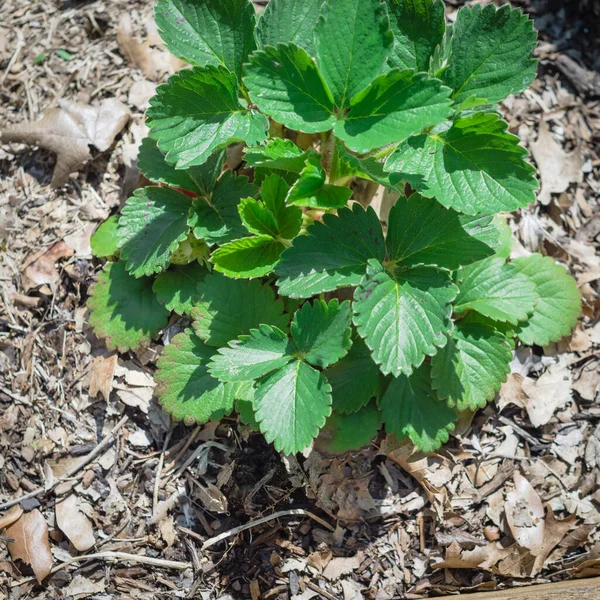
(301,307)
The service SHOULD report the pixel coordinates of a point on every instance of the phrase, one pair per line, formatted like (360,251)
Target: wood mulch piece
(188,512)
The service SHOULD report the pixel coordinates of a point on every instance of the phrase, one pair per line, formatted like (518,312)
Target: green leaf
(278,155)
(292,405)
(353,40)
(177,288)
(333,254)
(285,84)
(249,257)
(403,316)
(197,112)
(257,218)
(422,231)
(200,180)
(559,303)
(354,379)
(491,53)
(496,290)
(245,411)
(472,366)
(229,308)
(311,190)
(252,356)
(211,32)
(124,310)
(216,219)
(411,408)
(184,387)
(288,218)
(321,331)
(343,433)
(392,108)
(105,240)
(365,168)
(289,22)
(418,27)
(475,166)
(505,237)
(153,222)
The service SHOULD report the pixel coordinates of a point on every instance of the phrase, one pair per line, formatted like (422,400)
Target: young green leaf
(285,84)
(475,166)
(200,180)
(153,222)
(505,237)
(418,27)
(177,288)
(411,408)
(105,240)
(249,257)
(232,307)
(278,154)
(197,112)
(257,218)
(245,410)
(354,379)
(559,303)
(252,356)
(311,190)
(392,108)
(211,32)
(289,22)
(184,387)
(292,405)
(334,254)
(343,433)
(491,53)
(288,218)
(469,370)
(124,310)
(422,231)
(496,290)
(215,218)
(403,316)
(321,331)
(353,40)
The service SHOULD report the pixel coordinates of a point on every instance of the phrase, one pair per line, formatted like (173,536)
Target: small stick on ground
(282,513)
(74,469)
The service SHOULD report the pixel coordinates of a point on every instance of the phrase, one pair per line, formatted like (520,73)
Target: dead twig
(277,515)
(74,469)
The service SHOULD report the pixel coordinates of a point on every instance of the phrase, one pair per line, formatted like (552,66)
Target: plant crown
(306,308)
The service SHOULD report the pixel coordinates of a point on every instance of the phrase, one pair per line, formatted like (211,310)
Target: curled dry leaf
(548,393)
(154,62)
(557,168)
(525,515)
(103,372)
(31,545)
(74,523)
(69,130)
(40,269)
(482,557)
(12,515)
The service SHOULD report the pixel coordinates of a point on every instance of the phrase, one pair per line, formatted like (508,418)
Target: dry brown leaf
(69,130)
(341,566)
(167,531)
(319,559)
(12,515)
(482,557)
(525,515)
(74,523)
(31,545)
(557,168)
(82,587)
(512,392)
(103,372)
(554,532)
(39,267)
(140,93)
(548,393)
(587,384)
(211,497)
(154,63)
